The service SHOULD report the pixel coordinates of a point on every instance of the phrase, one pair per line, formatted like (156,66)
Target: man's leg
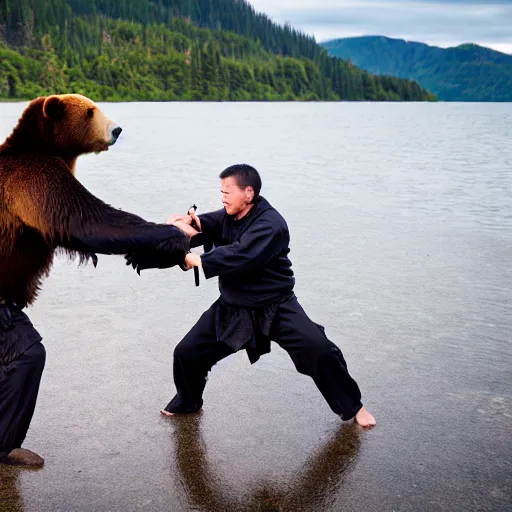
(194,357)
(19,387)
(314,355)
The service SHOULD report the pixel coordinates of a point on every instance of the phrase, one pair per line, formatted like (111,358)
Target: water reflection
(314,487)
(10,495)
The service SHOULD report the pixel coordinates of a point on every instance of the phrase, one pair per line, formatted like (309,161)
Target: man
(246,246)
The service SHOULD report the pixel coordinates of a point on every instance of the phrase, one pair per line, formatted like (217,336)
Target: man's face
(234,198)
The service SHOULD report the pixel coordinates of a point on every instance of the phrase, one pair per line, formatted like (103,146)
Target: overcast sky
(435,22)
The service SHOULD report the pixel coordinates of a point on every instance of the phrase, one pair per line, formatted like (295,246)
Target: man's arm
(257,246)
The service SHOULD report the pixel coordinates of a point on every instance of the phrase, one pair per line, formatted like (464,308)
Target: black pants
(19,386)
(305,341)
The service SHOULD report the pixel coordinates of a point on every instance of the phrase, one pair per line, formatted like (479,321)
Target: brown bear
(43,207)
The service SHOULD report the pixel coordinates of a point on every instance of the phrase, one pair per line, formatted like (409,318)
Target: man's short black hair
(245,176)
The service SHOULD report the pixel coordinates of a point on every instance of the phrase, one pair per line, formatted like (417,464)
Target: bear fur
(44,207)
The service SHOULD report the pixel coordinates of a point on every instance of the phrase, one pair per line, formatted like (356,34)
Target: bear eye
(90,112)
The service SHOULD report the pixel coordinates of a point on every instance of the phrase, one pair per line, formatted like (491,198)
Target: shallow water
(401,224)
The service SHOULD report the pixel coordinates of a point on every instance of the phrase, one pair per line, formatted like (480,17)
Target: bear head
(66,125)
(77,125)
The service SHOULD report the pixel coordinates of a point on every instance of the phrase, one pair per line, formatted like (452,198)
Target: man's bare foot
(365,419)
(163,412)
(22,457)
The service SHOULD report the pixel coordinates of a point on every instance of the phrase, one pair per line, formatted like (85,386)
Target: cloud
(436,22)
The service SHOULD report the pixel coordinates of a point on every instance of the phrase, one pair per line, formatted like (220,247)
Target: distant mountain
(465,73)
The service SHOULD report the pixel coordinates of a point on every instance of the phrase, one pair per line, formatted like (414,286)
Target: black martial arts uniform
(22,355)
(22,358)
(256,305)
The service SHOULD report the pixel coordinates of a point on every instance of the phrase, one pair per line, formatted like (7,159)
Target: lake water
(401,241)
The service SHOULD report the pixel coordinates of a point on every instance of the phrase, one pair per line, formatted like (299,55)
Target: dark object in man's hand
(195,226)
(191,210)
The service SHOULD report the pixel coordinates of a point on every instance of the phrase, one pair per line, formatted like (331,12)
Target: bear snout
(115,133)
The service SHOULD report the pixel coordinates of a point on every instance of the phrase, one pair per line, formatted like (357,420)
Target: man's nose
(116,132)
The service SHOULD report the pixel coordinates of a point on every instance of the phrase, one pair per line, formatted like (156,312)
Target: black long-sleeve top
(249,255)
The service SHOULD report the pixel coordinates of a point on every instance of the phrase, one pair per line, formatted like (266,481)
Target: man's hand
(192,260)
(174,217)
(194,217)
(186,228)
(183,222)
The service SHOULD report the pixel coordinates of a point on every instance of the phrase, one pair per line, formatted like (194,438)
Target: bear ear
(53,108)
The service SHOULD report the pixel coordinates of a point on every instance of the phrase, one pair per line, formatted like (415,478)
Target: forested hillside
(173,50)
(464,73)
